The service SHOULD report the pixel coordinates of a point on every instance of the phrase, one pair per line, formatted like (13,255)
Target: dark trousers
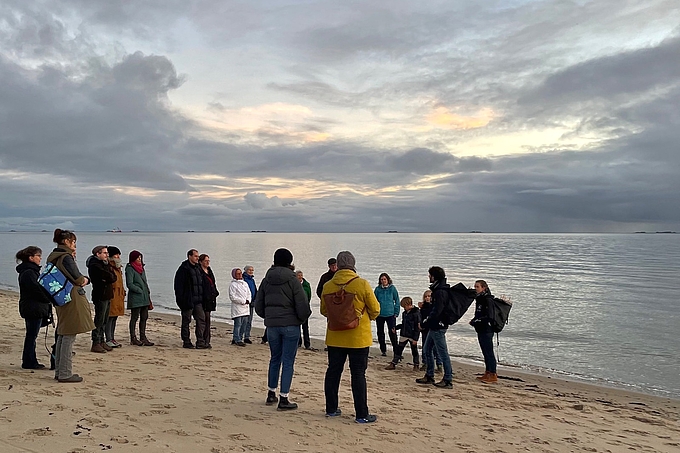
(486,343)
(28,357)
(206,330)
(391,322)
(305,335)
(141,313)
(400,349)
(101,317)
(358,362)
(437,359)
(199,316)
(110,330)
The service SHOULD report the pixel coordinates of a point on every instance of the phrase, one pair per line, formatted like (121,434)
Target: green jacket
(307,288)
(138,290)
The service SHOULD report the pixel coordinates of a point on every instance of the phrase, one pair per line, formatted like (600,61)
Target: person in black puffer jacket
(189,298)
(482,325)
(410,332)
(34,305)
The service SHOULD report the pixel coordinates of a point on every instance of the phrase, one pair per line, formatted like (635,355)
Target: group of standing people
(75,317)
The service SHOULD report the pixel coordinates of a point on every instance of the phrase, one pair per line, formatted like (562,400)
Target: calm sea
(596,307)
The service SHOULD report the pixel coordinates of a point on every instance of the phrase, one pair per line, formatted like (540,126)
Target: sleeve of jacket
(130,281)
(71,267)
(236,295)
(319,287)
(371,302)
(259,299)
(397,304)
(182,285)
(302,308)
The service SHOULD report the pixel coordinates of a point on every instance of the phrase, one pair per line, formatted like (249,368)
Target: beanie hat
(332,261)
(233,272)
(283,257)
(133,256)
(113,250)
(346,261)
(98,249)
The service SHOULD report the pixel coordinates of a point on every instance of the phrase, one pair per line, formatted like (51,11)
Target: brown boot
(145,341)
(98,349)
(483,376)
(490,378)
(390,366)
(106,347)
(134,341)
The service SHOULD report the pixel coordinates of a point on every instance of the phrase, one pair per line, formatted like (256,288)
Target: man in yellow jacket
(353,343)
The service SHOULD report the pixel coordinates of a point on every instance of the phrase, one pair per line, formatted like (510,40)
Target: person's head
(283,258)
(436,274)
(192,256)
(65,237)
(300,276)
(114,252)
(204,260)
(236,274)
(406,303)
(481,286)
(249,270)
(101,252)
(30,254)
(427,296)
(136,257)
(332,264)
(384,279)
(345,260)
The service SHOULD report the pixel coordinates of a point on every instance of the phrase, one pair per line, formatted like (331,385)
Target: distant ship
(115,230)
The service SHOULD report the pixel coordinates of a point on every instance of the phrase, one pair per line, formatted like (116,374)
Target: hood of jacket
(279,275)
(27,266)
(58,253)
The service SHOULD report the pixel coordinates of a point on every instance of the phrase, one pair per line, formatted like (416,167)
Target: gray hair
(245,268)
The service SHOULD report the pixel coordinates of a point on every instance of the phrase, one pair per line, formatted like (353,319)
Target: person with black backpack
(482,322)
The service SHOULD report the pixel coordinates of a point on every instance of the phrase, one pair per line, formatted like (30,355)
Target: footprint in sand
(39,432)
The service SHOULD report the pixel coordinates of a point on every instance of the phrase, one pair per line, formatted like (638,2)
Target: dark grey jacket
(280,299)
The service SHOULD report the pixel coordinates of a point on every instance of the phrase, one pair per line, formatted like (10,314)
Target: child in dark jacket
(410,332)
(425,309)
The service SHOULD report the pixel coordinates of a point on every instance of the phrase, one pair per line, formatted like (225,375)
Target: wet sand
(169,399)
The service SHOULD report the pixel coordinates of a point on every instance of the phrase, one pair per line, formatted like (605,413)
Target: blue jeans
(249,324)
(486,344)
(28,358)
(283,345)
(436,341)
(240,324)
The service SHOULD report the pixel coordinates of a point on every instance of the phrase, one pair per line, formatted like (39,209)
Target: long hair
(389,280)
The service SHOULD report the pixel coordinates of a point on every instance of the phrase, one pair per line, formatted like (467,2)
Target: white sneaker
(111,344)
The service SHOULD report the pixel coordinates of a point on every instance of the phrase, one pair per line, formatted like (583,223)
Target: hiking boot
(201,346)
(443,384)
(145,342)
(370,418)
(134,341)
(116,344)
(490,378)
(73,378)
(240,343)
(187,345)
(111,344)
(247,341)
(425,380)
(390,366)
(337,413)
(285,405)
(271,398)
(106,347)
(34,366)
(98,349)
(483,376)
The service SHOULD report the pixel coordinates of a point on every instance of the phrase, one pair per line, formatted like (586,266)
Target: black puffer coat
(102,278)
(280,300)
(33,302)
(188,285)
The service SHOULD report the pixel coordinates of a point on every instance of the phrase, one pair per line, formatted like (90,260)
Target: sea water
(596,307)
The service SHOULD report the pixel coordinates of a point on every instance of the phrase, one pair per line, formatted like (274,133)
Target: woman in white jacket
(239,294)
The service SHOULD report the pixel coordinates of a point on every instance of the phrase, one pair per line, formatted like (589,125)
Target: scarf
(138,267)
(117,263)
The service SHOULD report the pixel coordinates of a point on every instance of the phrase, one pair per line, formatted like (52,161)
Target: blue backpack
(55,283)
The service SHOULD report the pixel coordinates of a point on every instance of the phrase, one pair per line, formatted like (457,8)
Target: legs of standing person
(398,351)
(185,331)
(275,340)
(331,384)
(110,329)
(486,344)
(206,333)
(264,336)
(380,324)
(291,336)
(414,353)
(428,357)
(439,340)
(134,316)
(199,317)
(64,356)
(238,329)
(28,357)
(143,317)
(391,322)
(101,316)
(249,323)
(305,335)
(358,362)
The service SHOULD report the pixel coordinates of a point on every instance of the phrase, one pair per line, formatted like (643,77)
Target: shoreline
(169,399)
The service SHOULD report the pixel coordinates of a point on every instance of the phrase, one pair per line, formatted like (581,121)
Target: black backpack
(499,310)
(460,299)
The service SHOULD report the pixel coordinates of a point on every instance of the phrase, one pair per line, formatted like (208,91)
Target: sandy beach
(168,399)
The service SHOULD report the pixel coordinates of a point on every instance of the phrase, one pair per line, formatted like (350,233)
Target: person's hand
(247,302)
(86,282)
(394,330)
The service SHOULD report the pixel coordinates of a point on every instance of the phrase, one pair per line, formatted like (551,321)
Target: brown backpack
(340,309)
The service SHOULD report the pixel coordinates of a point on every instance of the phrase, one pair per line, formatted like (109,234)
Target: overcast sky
(278,115)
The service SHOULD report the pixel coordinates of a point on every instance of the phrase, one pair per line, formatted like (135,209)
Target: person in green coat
(139,298)
(305,326)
